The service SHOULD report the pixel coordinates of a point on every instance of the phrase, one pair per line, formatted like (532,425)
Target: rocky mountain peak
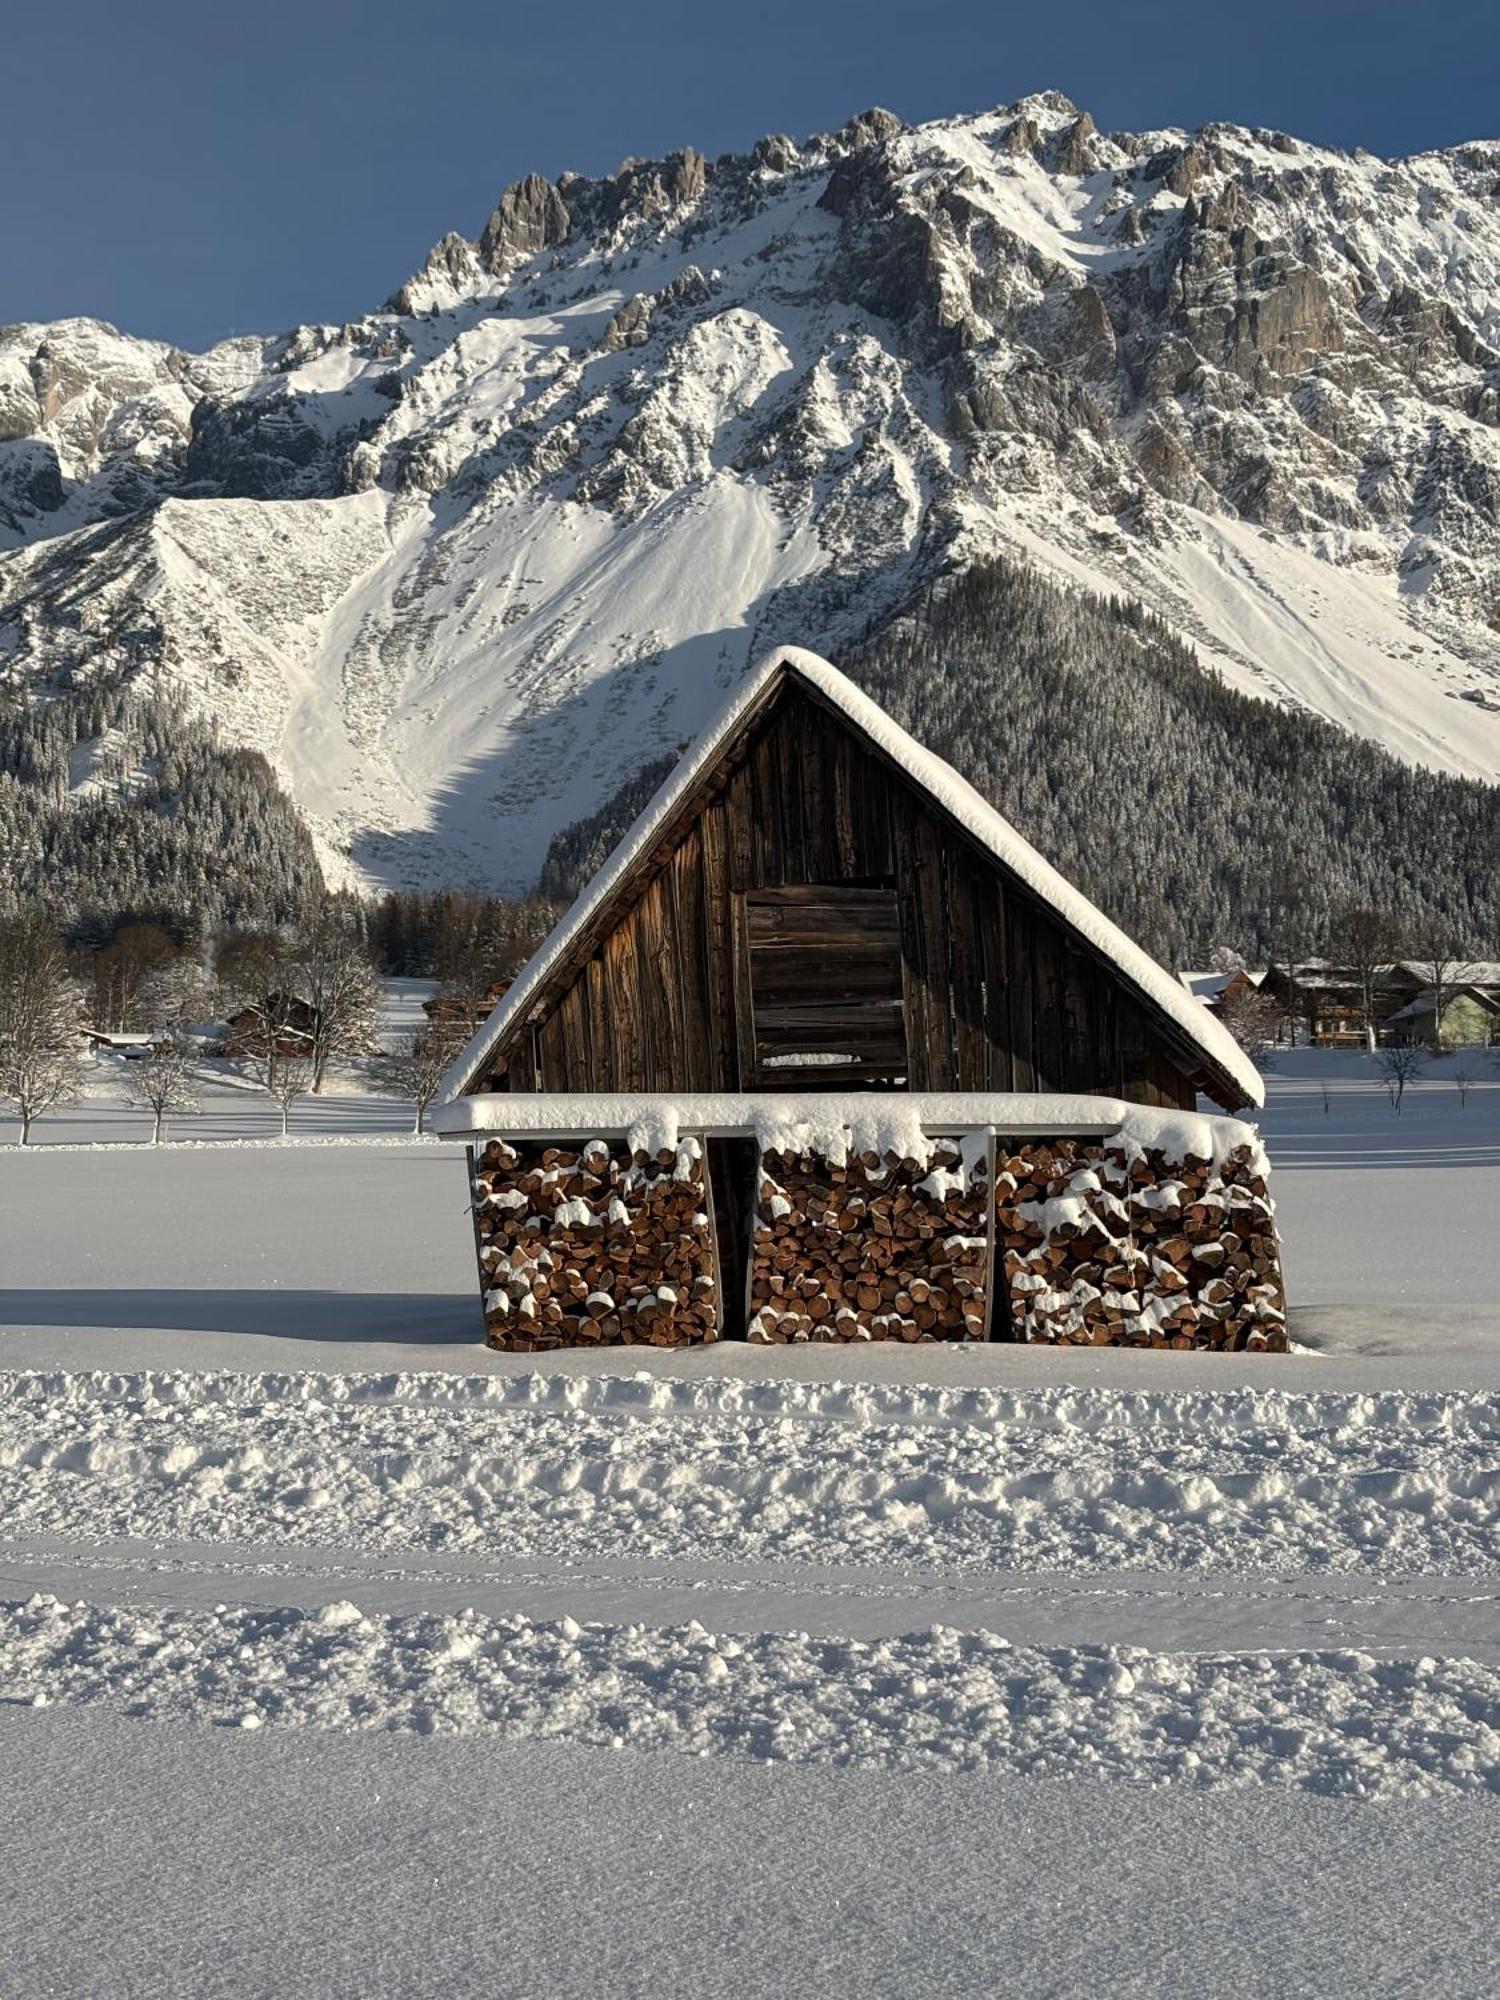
(1250,384)
(530,215)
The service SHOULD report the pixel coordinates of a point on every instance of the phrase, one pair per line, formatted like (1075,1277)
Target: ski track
(953,1480)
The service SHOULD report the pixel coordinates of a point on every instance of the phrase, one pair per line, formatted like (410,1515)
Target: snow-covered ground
(893,1670)
(320,1862)
(232,1104)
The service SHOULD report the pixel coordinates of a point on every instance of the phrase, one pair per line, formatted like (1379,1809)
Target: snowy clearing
(320,1862)
(1025,1616)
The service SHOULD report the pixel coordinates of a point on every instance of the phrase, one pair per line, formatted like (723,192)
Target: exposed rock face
(256,451)
(453,269)
(1072,153)
(32,483)
(529,215)
(869,128)
(1022,135)
(1251,382)
(632,324)
(777,152)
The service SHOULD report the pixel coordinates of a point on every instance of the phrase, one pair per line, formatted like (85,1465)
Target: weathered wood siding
(997,995)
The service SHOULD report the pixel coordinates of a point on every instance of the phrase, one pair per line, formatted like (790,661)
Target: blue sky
(188,170)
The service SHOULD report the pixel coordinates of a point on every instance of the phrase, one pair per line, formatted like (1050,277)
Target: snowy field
(393,1665)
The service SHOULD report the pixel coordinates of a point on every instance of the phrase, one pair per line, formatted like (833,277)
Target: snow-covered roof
(1426,1001)
(1208,986)
(1457,971)
(942,784)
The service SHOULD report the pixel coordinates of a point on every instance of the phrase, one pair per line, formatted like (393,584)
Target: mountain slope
(1196,815)
(460,566)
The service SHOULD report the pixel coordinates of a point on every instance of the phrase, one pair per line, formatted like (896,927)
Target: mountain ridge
(459,567)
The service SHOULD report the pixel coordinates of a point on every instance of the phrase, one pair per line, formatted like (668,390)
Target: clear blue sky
(188,170)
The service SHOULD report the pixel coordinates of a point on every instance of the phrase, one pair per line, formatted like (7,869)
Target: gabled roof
(1460,971)
(1210,986)
(955,795)
(1426,1001)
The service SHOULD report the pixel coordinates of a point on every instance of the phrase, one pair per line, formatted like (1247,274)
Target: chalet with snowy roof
(1465,1016)
(287,1022)
(1219,992)
(824,1000)
(1326,1001)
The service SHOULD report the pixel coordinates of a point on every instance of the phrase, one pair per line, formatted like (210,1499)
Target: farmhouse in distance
(824,1019)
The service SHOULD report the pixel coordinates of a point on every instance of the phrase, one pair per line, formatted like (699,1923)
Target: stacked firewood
(585,1247)
(1100,1246)
(875,1248)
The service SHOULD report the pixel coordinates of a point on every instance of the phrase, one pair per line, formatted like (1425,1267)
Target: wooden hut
(815,909)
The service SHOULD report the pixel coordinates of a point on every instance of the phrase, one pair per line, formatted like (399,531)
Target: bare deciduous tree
(164,1083)
(1439,962)
(292,1079)
(120,973)
(41,1056)
(1293,924)
(255,980)
(177,994)
(332,973)
(1399,1066)
(1362,940)
(1463,1076)
(415,1065)
(1253,1019)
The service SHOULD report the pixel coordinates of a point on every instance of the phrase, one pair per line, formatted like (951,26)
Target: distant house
(133,1047)
(1326,999)
(1470,1019)
(295,1026)
(1403,982)
(1220,990)
(449,1007)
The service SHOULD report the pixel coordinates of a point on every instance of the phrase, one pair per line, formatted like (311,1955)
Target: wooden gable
(703,964)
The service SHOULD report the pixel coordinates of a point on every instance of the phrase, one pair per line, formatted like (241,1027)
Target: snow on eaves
(835,1125)
(943,784)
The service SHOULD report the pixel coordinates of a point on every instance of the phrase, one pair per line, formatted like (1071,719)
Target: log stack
(1104,1247)
(873,1248)
(588,1246)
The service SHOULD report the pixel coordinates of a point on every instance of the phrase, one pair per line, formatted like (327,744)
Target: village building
(442,1008)
(1323,1002)
(287,1027)
(1469,1018)
(822,1006)
(131,1046)
(1219,992)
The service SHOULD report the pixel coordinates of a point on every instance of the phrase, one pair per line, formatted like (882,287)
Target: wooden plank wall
(997,997)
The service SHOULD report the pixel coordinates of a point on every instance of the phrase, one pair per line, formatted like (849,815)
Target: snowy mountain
(460,566)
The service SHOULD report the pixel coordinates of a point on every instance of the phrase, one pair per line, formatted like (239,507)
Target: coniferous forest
(129,806)
(1194,815)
